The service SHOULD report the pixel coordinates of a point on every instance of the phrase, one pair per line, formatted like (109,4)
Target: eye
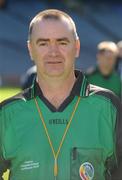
(64,43)
(43,44)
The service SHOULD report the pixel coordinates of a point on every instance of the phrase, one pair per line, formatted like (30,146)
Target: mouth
(54,62)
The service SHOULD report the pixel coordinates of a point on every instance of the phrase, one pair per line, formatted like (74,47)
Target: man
(62,128)
(104,73)
(119,60)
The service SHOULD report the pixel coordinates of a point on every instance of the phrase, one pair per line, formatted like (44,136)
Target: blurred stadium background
(96,21)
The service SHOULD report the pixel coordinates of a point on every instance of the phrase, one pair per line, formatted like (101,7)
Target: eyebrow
(42,40)
(63,39)
(47,40)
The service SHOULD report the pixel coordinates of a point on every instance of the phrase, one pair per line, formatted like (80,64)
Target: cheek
(68,51)
(39,55)
(112,63)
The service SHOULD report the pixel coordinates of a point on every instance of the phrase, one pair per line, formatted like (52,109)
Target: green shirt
(89,148)
(111,82)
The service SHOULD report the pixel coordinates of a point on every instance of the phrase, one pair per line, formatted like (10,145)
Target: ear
(77,48)
(30,49)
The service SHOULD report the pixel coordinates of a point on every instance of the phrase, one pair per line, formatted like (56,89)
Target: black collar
(79,89)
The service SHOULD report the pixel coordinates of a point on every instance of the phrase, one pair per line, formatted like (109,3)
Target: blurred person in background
(119,59)
(104,73)
(28,78)
(3,4)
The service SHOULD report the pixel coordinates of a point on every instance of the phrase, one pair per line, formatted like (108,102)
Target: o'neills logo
(58,121)
(86,171)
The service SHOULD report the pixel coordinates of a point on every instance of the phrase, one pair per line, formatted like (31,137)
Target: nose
(53,50)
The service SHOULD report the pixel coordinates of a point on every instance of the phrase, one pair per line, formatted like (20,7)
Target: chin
(55,74)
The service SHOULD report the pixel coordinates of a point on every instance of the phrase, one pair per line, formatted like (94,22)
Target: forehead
(52,29)
(106,52)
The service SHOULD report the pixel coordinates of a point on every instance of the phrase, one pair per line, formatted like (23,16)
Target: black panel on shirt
(75,91)
(117,171)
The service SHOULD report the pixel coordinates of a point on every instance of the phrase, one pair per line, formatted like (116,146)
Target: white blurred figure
(119,62)
(119,44)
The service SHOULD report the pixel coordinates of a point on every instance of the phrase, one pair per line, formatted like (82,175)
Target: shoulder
(19,98)
(117,76)
(105,94)
(91,71)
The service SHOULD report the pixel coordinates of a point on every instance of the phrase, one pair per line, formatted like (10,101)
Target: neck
(56,90)
(106,73)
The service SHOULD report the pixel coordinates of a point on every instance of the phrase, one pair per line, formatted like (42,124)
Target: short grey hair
(52,14)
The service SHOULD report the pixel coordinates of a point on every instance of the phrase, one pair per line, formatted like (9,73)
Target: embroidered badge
(27,165)
(86,171)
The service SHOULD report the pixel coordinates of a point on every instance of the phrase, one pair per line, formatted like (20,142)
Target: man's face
(120,52)
(106,61)
(53,48)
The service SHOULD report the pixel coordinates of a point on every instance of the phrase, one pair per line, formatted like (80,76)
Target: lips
(54,62)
